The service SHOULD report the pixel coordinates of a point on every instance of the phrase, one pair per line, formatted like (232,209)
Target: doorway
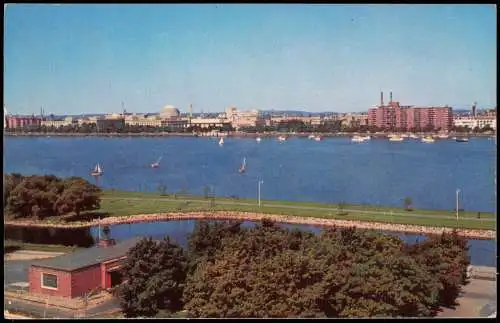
(115,277)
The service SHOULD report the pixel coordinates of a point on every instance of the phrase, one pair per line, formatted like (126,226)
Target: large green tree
(78,195)
(154,276)
(271,272)
(47,195)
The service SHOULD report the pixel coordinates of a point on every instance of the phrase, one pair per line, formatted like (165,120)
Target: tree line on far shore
(283,126)
(267,271)
(42,196)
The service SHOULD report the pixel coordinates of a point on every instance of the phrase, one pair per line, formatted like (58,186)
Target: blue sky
(75,59)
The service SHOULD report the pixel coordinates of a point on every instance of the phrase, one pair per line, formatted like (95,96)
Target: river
(333,170)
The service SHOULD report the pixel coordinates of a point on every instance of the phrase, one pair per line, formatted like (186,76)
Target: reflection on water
(57,236)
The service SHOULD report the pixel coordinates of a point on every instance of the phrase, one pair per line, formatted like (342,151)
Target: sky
(75,59)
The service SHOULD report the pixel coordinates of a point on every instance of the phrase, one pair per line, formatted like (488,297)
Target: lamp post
(458,191)
(260,182)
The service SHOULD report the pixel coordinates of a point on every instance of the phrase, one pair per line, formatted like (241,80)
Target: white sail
(98,168)
(244,162)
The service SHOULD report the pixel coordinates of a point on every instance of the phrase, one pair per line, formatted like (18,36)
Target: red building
(22,121)
(72,275)
(394,116)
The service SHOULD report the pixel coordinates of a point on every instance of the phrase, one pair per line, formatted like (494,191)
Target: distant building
(473,122)
(110,125)
(169,112)
(68,121)
(397,117)
(240,119)
(23,121)
(169,117)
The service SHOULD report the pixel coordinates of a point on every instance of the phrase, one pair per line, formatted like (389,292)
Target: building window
(49,281)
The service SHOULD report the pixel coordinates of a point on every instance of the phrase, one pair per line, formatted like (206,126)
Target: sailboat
(221,142)
(97,171)
(157,164)
(243,166)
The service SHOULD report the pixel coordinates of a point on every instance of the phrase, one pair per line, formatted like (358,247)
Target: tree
(446,257)
(267,271)
(408,203)
(154,276)
(10,183)
(34,196)
(78,195)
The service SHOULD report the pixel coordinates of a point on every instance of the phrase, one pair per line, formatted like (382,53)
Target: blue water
(482,252)
(333,170)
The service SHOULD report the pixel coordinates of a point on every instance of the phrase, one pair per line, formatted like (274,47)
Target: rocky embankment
(250,216)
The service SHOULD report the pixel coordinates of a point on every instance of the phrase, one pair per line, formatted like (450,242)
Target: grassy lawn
(11,246)
(137,195)
(118,205)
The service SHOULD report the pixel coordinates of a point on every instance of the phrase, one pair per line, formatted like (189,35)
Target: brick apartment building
(13,122)
(398,117)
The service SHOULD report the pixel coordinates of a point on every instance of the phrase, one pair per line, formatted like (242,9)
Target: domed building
(169,112)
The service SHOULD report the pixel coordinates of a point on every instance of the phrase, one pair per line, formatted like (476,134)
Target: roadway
(309,208)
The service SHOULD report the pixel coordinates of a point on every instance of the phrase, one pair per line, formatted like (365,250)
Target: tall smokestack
(390,96)
(381,98)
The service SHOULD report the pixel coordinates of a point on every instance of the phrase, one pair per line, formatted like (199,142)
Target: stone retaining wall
(252,216)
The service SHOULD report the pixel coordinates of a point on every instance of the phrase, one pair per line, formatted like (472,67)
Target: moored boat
(221,142)
(258,139)
(428,139)
(357,139)
(462,139)
(396,138)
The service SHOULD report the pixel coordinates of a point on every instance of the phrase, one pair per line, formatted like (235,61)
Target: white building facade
(473,122)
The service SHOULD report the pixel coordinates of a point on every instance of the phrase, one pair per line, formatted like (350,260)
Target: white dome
(169,111)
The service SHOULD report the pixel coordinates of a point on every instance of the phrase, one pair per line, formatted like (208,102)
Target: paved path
(301,207)
(478,300)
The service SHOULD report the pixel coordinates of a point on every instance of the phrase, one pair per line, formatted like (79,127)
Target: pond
(482,252)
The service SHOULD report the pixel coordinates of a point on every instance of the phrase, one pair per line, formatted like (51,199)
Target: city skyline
(74,59)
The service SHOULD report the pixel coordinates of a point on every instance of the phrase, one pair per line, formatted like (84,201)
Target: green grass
(11,246)
(117,204)
(135,195)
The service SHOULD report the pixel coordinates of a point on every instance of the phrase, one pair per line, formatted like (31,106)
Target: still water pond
(482,252)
